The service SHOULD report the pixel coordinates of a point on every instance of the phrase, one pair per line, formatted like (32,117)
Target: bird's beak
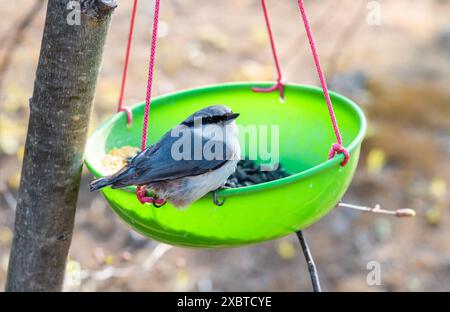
(231,116)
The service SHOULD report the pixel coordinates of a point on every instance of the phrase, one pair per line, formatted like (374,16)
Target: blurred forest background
(398,71)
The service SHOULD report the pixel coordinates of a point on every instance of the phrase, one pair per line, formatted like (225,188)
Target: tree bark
(60,109)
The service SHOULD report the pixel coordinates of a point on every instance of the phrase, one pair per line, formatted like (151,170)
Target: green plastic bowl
(254,213)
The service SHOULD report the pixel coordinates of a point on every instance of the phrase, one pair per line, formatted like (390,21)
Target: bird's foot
(216,200)
(279,85)
(143,199)
(141,192)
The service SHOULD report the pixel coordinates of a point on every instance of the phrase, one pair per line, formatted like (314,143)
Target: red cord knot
(143,199)
(339,149)
(279,85)
(140,194)
(129,114)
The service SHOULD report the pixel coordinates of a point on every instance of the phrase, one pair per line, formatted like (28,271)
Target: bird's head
(216,114)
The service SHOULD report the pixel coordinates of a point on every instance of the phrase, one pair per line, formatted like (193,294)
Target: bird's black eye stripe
(213,119)
(208,120)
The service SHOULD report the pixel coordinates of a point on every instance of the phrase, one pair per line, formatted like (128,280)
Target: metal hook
(157,205)
(216,200)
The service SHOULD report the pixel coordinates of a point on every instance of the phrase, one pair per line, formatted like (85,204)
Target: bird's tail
(117,180)
(99,183)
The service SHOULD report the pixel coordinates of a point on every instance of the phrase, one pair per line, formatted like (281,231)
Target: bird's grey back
(158,162)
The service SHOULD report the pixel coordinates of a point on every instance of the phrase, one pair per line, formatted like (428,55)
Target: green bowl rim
(262,186)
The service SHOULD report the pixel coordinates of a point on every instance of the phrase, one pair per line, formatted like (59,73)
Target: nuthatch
(190,160)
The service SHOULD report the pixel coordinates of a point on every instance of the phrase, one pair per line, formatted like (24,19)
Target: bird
(192,159)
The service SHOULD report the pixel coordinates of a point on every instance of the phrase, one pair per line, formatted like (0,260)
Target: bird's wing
(158,163)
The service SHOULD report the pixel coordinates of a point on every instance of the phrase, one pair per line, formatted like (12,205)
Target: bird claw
(140,194)
(216,200)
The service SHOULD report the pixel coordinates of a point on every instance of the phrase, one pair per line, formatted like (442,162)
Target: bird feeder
(255,213)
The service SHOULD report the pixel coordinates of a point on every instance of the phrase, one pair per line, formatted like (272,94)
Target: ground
(398,71)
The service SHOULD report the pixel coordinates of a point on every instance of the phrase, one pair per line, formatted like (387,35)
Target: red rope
(120,107)
(280,83)
(337,148)
(150,75)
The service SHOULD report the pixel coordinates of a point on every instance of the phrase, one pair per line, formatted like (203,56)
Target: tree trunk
(59,115)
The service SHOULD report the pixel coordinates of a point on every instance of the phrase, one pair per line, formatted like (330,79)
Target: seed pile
(249,173)
(116,158)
